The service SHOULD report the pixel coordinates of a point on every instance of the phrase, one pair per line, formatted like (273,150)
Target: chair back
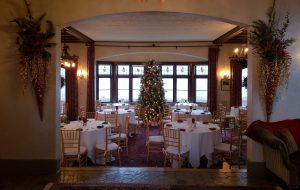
(183,115)
(167,112)
(172,138)
(126,124)
(112,118)
(235,139)
(70,141)
(242,119)
(90,115)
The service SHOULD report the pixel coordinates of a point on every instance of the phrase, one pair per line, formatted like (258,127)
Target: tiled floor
(139,178)
(159,178)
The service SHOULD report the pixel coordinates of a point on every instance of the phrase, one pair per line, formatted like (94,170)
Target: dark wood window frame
(114,78)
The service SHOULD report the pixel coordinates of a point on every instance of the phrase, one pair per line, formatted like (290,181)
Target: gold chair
(230,149)
(154,143)
(166,113)
(71,149)
(173,150)
(108,148)
(183,116)
(139,120)
(90,115)
(121,137)
(112,118)
(242,124)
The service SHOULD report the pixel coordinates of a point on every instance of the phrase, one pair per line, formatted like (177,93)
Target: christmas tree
(152,93)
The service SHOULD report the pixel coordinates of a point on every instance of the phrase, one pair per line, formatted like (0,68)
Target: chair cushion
(122,136)
(156,139)
(110,146)
(286,136)
(174,150)
(74,151)
(224,147)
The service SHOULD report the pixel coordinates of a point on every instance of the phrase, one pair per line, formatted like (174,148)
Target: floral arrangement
(34,57)
(269,43)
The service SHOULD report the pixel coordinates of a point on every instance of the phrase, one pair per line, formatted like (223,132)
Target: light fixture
(239,54)
(82,74)
(66,60)
(225,74)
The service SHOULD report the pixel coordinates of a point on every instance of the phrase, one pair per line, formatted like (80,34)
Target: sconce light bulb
(236,50)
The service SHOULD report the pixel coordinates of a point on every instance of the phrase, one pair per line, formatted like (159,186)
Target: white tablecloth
(200,140)
(122,113)
(199,115)
(90,135)
(185,105)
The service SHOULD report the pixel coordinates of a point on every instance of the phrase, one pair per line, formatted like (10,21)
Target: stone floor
(140,178)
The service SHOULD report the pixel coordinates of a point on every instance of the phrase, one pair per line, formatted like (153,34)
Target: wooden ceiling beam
(228,35)
(76,34)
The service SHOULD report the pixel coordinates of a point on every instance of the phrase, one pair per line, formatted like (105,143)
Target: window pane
(123,89)
(201,84)
(201,90)
(104,84)
(104,69)
(138,69)
(168,87)
(104,89)
(182,84)
(244,90)
(167,69)
(182,70)
(136,85)
(123,69)
(201,96)
(201,70)
(182,89)
(63,89)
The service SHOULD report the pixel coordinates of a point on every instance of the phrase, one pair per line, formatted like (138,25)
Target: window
(63,83)
(104,83)
(244,89)
(123,89)
(182,90)
(201,86)
(181,81)
(168,87)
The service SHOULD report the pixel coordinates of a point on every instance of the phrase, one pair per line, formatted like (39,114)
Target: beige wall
(226,50)
(80,50)
(24,136)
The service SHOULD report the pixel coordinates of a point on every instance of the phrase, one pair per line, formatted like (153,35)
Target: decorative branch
(34,57)
(269,43)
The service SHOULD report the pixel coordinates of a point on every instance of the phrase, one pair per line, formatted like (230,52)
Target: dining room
(197,74)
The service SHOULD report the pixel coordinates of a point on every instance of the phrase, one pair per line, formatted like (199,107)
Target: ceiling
(151,27)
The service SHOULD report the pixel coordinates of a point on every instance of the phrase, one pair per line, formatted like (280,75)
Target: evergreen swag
(152,92)
(269,43)
(34,57)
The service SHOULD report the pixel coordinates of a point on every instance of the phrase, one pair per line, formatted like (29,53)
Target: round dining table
(198,114)
(200,139)
(122,113)
(92,133)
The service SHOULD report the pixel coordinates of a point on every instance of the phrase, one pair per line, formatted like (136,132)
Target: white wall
(19,116)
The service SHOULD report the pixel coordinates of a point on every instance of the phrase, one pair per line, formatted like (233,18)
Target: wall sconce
(225,74)
(82,74)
